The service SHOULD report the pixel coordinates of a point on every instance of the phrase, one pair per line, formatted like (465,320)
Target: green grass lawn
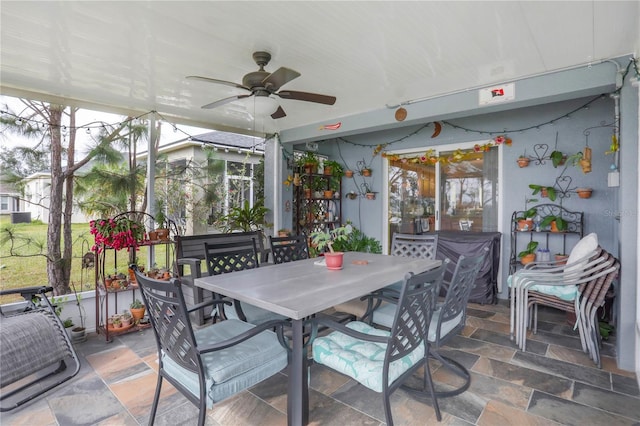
(29,268)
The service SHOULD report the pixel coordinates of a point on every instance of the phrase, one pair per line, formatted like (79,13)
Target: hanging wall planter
(584,192)
(348,173)
(523,161)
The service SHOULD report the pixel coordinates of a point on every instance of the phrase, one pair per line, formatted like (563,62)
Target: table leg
(298,388)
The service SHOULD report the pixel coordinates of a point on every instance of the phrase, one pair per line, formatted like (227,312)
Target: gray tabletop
(302,288)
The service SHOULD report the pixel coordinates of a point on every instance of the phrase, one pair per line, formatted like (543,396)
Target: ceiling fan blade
(224,101)
(279,113)
(279,78)
(306,96)
(215,80)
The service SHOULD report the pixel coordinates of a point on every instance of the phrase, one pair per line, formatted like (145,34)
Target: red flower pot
(334,260)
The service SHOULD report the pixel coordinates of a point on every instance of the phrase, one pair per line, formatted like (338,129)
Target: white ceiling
(132,57)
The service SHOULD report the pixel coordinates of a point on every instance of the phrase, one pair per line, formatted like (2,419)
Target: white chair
(558,285)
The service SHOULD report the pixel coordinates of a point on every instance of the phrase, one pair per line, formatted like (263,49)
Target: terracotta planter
(365,172)
(137,313)
(328,194)
(371,195)
(348,173)
(528,258)
(584,192)
(523,162)
(554,227)
(328,170)
(525,225)
(163,234)
(334,260)
(561,259)
(153,236)
(307,193)
(544,193)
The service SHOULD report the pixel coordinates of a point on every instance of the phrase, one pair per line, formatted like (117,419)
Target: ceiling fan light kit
(264,105)
(262,85)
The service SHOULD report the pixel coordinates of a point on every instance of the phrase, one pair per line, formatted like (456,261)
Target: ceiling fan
(263,84)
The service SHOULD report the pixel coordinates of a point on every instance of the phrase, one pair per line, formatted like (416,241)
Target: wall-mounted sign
(497,94)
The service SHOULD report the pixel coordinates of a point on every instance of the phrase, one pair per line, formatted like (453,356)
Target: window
(458,195)
(4,203)
(239,184)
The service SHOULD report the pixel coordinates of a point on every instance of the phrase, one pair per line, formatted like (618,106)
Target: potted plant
(545,191)
(523,160)
(368,192)
(333,168)
(245,218)
(557,158)
(528,255)
(79,333)
(322,240)
(126,319)
(117,233)
(309,161)
(584,192)
(348,173)
(117,322)
(137,309)
(162,228)
(365,171)
(557,223)
(561,258)
(284,232)
(525,221)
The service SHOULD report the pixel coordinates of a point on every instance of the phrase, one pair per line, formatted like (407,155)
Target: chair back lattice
(416,246)
(413,315)
(170,320)
(223,258)
(459,290)
(289,249)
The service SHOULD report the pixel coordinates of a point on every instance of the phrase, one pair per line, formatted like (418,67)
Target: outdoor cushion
(384,316)
(564,292)
(361,360)
(229,370)
(253,314)
(585,246)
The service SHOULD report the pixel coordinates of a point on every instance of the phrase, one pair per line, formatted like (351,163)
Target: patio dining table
(300,289)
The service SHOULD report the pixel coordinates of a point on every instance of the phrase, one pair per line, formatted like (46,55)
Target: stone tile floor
(554,382)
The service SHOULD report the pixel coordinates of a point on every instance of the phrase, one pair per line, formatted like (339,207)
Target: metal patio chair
(449,317)
(223,258)
(384,360)
(211,363)
(289,249)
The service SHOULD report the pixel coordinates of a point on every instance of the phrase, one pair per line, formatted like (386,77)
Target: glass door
(412,197)
(452,191)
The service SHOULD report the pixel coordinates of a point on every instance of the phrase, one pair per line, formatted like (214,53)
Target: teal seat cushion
(446,326)
(254,314)
(566,292)
(361,360)
(385,314)
(234,369)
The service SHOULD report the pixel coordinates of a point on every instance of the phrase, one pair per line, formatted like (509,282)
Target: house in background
(10,202)
(238,156)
